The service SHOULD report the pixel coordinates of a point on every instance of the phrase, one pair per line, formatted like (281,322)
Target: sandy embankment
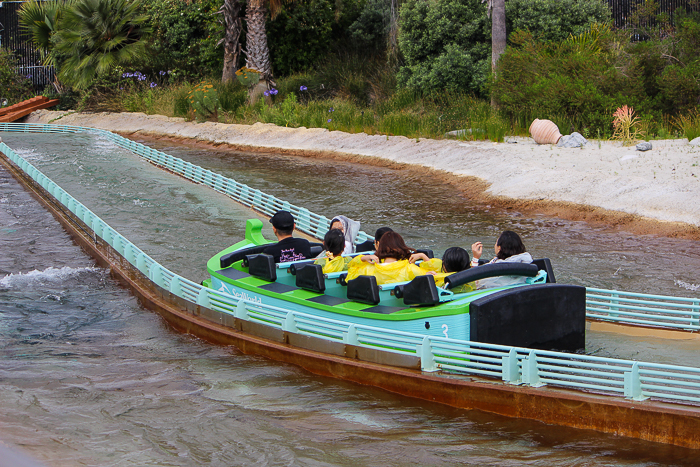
(657,191)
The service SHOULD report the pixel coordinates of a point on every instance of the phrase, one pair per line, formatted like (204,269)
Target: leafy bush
(445,44)
(689,124)
(204,101)
(555,20)
(185,38)
(300,35)
(13,87)
(370,29)
(577,83)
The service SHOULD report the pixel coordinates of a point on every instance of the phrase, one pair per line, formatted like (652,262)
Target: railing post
(290,324)
(613,304)
(156,275)
(510,373)
(175,287)
(241,310)
(203,298)
(427,359)
(695,316)
(141,263)
(633,384)
(350,337)
(531,375)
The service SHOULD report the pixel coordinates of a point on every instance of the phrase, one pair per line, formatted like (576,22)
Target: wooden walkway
(17,111)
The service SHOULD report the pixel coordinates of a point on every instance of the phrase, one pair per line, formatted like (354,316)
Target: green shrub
(13,87)
(370,29)
(232,95)
(555,20)
(300,35)
(445,44)
(689,124)
(185,38)
(577,83)
(204,101)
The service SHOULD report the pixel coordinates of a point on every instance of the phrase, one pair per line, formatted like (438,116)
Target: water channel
(90,378)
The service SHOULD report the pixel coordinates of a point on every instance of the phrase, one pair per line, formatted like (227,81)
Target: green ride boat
(537,314)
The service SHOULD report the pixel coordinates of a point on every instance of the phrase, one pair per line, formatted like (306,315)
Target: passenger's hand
(370,259)
(418,256)
(477,249)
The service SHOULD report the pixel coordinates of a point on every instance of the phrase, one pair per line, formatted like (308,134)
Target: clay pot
(545,132)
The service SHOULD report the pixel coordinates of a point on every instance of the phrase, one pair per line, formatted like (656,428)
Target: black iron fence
(623,10)
(28,58)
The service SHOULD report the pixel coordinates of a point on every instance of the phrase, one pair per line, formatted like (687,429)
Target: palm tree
(258,54)
(231,10)
(40,20)
(96,35)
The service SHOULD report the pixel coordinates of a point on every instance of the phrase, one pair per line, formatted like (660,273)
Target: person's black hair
(381,231)
(510,244)
(334,241)
(455,259)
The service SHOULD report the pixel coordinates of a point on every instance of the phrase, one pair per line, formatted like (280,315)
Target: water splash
(686,285)
(48,275)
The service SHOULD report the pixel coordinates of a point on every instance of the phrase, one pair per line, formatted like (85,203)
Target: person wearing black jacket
(287,247)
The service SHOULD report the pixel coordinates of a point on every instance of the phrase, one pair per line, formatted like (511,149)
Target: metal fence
(622,10)
(512,365)
(13,38)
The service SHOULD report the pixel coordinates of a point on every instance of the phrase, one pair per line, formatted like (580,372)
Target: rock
(644,146)
(695,142)
(574,140)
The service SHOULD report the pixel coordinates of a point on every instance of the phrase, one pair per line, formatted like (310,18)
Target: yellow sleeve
(336,264)
(434,264)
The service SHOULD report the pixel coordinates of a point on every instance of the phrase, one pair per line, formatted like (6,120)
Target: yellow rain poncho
(398,271)
(337,264)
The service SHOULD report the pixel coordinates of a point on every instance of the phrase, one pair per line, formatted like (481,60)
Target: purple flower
(266,93)
(153,85)
(161,73)
(29,76)
(329,120)
(331,109)
(303,88)
(273,91)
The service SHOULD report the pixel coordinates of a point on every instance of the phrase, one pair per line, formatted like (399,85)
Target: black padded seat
(310,277)
(364,289)
(230,258)
(546,265)
(367,245)
(420,291)
(262,266)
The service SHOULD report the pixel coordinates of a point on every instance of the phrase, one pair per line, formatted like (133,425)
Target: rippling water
(89,378)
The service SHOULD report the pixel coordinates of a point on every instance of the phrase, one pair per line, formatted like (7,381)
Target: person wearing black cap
(287,247)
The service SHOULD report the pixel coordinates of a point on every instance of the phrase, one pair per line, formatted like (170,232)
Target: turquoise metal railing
(668,312)
(513,365)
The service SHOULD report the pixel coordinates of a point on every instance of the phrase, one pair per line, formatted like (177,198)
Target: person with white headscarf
(350,229)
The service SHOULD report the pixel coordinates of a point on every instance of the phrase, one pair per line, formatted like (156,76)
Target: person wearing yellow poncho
(332,259)
(454,259)
(393,261)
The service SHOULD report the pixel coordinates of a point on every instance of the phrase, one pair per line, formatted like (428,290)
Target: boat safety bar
(513,365)
(668,312)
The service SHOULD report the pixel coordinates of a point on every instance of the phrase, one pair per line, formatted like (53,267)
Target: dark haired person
(390,263)
(332,259)
(369,245)
(454,259)
(509,248)
(287,247)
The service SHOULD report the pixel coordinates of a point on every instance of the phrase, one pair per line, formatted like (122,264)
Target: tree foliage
(445,45)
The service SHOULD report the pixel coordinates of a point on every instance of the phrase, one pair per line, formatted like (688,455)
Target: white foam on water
(49,274)
(686,285)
